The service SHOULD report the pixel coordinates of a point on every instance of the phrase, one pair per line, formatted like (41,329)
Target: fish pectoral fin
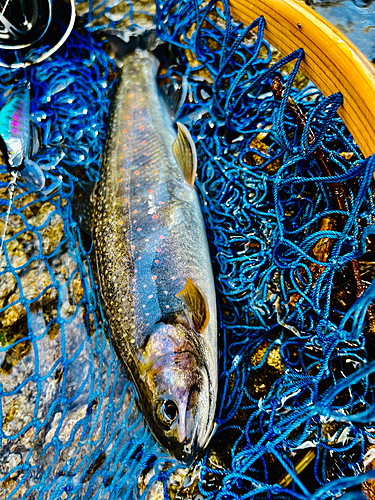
(185,153)
(196,302)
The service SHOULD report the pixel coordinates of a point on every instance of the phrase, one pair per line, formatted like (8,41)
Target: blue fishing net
(291,246)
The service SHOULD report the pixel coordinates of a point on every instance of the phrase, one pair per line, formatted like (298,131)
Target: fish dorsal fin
(185,153)
(15,126)
(197,305)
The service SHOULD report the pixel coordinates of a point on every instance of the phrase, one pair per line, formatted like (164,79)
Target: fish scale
(150,243)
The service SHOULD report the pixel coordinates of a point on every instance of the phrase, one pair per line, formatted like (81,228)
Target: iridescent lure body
(15,137)
(154,264)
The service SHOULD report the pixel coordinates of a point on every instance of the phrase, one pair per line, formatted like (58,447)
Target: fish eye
(166,412)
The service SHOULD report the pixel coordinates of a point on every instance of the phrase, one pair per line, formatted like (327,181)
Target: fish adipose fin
(197,305)
(174,95)
(15,128)
(185,153)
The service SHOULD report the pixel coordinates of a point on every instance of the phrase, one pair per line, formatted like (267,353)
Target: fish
(15,137)
(156,278)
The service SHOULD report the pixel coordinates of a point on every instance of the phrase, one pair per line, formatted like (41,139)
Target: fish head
(180,405)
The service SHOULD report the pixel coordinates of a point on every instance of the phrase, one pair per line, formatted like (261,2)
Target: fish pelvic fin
(185,153)
(195,301)
(15,127)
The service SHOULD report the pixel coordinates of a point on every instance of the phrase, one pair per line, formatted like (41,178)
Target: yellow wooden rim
(332,62)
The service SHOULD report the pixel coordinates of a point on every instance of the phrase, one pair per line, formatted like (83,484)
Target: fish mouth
(185,452)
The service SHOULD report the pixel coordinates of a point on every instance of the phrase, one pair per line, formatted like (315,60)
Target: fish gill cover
(289,211)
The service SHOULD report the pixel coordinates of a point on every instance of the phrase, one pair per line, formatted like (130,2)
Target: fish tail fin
(125,42)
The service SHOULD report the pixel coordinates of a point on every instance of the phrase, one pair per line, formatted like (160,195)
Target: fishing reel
(23,23)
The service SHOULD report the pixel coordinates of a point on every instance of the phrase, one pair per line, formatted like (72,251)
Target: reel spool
(23,23)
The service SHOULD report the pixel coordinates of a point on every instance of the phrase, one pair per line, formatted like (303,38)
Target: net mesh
(291,245)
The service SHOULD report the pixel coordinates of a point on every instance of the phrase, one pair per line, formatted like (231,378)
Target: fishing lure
(15,138)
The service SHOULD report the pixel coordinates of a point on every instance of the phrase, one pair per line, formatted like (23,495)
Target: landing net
(291,239)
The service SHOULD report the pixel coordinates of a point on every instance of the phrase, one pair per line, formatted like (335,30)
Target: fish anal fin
(185,153)
(196,302)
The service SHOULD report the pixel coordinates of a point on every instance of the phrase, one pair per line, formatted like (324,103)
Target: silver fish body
(155,270)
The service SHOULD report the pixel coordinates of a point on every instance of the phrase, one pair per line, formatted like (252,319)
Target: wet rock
(356,19)
(13,314)
(7,286)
